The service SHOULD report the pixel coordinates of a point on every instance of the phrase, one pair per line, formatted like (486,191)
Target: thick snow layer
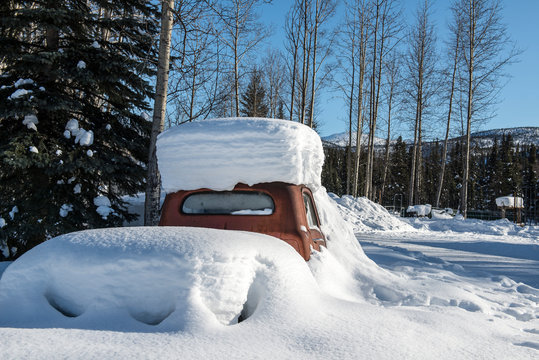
(217,154)
(419,210)
(178,292)
(366,215)
(455,224)
(510,202)
(157,279)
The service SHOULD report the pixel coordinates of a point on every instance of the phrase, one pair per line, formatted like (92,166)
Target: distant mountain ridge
(483,139)
(341,139)
(521,136)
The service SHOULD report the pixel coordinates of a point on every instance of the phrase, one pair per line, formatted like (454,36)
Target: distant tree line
(501,170)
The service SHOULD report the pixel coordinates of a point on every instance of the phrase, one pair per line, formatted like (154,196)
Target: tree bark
(315,45)
(153,179)
(370,148)
(350,113)
(466,175)
(446,140)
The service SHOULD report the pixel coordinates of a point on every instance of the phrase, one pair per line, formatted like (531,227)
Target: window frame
(249,192)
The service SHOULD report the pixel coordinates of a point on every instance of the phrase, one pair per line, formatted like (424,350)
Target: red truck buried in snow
(250,174)
(282,210)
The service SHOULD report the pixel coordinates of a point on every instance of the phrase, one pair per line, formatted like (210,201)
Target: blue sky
(518,99)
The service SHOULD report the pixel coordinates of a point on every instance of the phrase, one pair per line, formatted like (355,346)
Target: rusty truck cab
(282,210)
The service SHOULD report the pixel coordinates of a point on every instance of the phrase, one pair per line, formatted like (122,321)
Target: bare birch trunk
(305,74)
(446,139)
(370,148)
(411,185)
(388,139)
(315,46)
(359,122)
(350,113)
(466,175)
(236,72)
(153,179)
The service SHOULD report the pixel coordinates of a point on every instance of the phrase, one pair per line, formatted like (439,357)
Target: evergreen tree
(73,84)
(398,173)
(530,184)
(495,175)
(454,180)
(511,179)
(253,100)
(332,171)
(432,172)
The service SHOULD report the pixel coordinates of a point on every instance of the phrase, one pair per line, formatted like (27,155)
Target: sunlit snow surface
(192,284)
(414,289)
(220,153)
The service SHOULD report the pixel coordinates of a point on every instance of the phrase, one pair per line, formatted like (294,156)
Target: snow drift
(367,216)
(148,278)
(196,284)
(220,153)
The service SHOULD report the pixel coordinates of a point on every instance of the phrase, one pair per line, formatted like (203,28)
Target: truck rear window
(228,203)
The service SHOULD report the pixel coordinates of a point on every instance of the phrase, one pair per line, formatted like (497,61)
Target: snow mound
(456,224)
(510,202)
(220,153)
(366,215)
(419,210)
(151,278)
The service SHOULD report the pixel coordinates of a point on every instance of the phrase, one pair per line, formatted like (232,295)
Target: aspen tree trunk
(377,99)
(293,88)
(153,179)
(411,185)
(359,133)
(193,92)
(372,120)
(236,71)
(464,193)
(315,46)
(350,113)
(419,161)
(305,64)
(446,140)
(388,139)
(293,36)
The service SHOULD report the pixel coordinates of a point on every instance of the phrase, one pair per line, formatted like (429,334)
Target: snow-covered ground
(416,289)
(438,293)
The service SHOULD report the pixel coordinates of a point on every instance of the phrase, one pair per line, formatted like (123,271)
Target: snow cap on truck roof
(219,153)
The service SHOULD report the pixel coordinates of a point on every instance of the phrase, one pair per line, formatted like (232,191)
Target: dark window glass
(309,210)
(229,203)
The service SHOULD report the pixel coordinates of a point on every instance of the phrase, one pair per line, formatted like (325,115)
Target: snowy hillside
(341,139)
(482,139)
(520,135)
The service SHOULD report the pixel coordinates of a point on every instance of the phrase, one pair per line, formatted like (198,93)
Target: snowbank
(510,202)
(501,227)
(158,278)
(419,210)
(178,292)
(366,215)
(217,154)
